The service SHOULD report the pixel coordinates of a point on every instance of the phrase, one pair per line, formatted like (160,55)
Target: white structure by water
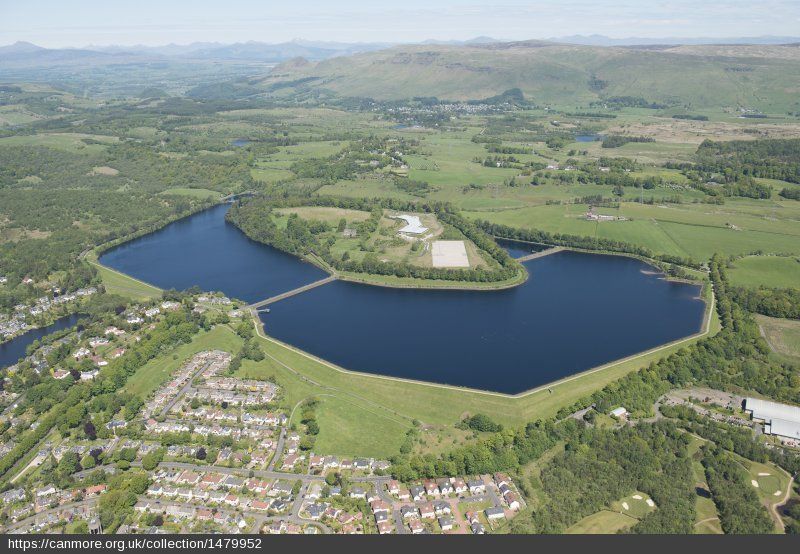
(413,224)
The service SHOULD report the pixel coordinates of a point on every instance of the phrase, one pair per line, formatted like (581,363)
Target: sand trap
(449,253)
(637,496)
(625,505)
(776,493)
(650,502)
(762,474)
(755,483)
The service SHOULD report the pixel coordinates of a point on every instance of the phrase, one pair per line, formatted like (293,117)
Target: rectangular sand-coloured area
(450,253)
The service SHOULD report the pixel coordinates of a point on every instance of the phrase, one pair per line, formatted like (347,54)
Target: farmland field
(783,335)
(768,271)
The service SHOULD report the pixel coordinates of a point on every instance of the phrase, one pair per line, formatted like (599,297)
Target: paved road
(32,519)
(278,450)
(267,474)
(259,517)
(185,388)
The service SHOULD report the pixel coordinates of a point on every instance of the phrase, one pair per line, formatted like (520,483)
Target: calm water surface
(12,351)
(517,248)
(575,312)
(207,251)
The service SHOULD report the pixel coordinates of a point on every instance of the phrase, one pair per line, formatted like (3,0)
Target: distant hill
(760,77)
(27,55)
(19,47)
(601,40)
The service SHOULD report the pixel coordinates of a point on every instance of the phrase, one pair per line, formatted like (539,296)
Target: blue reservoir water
(576,311)
(12,351)
(207,251)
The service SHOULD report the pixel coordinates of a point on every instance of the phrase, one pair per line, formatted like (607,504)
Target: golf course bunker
(449,253)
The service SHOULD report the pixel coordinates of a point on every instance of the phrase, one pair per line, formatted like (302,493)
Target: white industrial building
(779,419)
(413,225)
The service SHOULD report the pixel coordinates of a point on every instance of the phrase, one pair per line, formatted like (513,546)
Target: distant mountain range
(25,56)
(763,77)
(601,40)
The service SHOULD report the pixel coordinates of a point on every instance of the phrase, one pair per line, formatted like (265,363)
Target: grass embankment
(119,283)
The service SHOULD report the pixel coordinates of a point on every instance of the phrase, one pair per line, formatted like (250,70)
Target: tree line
(252,217)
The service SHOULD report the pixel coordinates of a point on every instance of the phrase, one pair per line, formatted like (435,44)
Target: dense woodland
(251,215)
(770,158)
(773,302)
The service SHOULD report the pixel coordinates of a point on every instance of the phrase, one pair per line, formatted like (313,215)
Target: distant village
(23,317)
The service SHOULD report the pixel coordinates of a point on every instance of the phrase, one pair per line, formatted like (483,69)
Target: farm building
(620,412)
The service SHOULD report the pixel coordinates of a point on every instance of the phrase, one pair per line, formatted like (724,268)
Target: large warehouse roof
(785,428)
(767,410)
(783,419)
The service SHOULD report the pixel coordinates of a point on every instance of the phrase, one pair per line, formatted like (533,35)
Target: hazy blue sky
(55,23)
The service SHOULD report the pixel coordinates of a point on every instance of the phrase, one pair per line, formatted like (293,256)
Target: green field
(772,484)
(706,518)
(71,142)
(694,230)
(352,428)
(782,335)
(150,376)
(122,284)
(769,271)
(604,522)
